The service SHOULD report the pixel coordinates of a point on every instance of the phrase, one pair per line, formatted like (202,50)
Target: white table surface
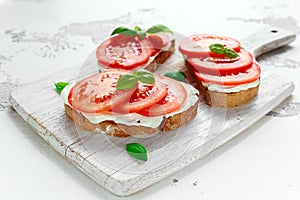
(41,37)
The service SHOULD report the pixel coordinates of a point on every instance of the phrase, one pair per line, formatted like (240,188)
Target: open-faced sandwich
(132,49)
(226,74)
(123,103)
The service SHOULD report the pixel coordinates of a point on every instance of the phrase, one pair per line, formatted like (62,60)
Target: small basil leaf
(137,151)
(230,53)
(217,48)
(220,49)
(159,28)
(148,79)
(179,76)
(136,28)
(124,31)
(126,81)
(144,76)
(60,86)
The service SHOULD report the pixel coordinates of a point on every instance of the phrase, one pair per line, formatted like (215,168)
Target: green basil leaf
(137,151)
(60,86)
(179,76)
(230,53)
(217,48)
(136,28)
(144,76)
(147,78)
(123,30)
(159,28)
(126,81)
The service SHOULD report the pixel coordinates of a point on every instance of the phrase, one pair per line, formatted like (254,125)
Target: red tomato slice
(125,52)
(174,99)
(98,93)
(222,66)
(198,45)
(144,96)
(247,76)
(159,41)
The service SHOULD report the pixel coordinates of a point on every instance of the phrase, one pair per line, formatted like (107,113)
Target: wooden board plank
(104,158)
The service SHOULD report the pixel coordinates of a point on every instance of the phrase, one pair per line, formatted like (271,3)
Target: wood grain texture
(105,159)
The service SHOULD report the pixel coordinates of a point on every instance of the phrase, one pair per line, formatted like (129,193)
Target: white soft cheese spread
(134,119)
(229,89)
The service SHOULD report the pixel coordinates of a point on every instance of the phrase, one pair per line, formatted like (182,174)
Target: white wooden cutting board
(104,158)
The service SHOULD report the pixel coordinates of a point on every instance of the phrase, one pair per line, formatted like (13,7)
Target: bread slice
(159,59)
(112,128)
(222,99)
(227,100)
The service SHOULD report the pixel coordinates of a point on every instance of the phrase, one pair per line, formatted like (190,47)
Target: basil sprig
(159,28)
(60,86)
(220,49)
(179,76)
(138,31)
(137,151)
(128,81)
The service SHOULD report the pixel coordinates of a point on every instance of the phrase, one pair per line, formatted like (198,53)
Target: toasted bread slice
(124,125)
(227,100)
(112,128)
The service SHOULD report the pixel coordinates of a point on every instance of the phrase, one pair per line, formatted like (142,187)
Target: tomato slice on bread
(143,97)
(172,101)
(198,45)
(125,52)
(98,93)
(243,77)
(222,66)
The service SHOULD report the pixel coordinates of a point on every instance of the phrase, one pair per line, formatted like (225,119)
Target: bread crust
(109,127)
(227,100)
(221,99)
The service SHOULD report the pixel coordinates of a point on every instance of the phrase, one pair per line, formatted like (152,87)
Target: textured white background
(40,37)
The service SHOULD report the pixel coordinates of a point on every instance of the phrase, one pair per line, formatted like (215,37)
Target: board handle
(267,39)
